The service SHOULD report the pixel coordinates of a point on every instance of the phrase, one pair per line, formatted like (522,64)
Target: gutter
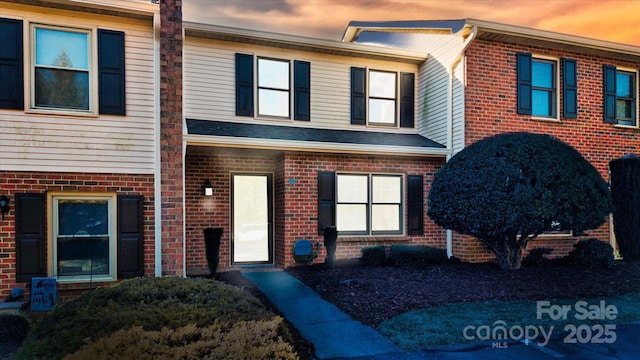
(299,145)
(451,70)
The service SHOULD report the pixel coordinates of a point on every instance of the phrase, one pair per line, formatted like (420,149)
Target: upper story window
(537,87)
(273,87)
(71,71)
(543,88)
(369,204)
(61,69)
(620,96)
(380,99)
(277,95)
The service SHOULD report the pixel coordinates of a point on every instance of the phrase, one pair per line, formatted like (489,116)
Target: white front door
(252,219)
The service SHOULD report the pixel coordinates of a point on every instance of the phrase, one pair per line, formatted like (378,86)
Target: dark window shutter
(130,236)
(244,85)
(570,88)
(31,242)
(302,90)
(111,75)
(524,84)
(326,200)
(407,103)
(609,86)
(11,65)
(358,96)
(415,205)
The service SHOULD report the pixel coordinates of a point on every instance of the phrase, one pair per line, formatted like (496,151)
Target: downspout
(184,160)
(157,193)
(451,71)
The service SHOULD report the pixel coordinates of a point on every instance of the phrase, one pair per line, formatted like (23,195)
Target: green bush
(152,303)
(13,327)
(373,256)
(592,253)
(222,340)
(537,257)
(416,255)
(509,188)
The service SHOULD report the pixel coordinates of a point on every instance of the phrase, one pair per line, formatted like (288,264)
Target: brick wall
(36,182)
(490,109)
(295,202)
(171,155)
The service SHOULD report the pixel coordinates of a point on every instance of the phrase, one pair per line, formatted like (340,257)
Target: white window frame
(636,100)
(289,90)
(92,64)
(369,205)
(370,97)
(555,102)
(53,225)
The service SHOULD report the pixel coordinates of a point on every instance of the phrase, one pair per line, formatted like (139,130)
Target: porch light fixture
(208,188)
(4,205)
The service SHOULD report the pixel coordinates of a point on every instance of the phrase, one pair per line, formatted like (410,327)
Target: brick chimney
(172,186)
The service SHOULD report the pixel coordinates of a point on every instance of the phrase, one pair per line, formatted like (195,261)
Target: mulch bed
(373,294)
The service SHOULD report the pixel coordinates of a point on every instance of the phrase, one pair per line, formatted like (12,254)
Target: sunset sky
(611,20)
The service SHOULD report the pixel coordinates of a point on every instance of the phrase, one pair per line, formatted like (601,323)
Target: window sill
(85,280)
(545,119)
(50,112)
(629,127)
(374,238)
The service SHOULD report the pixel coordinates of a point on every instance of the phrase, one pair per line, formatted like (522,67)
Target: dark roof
(454,25)
(278,132)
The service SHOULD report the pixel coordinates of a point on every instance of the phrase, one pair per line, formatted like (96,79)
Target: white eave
(302,43)
(489,30)
(543,38)
(125,8)
(312,146)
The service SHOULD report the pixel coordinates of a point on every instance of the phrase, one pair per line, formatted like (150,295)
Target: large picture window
(61,77)
(369,204)
(83,237)
(273,88)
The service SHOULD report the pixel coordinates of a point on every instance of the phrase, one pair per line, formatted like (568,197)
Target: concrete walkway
(336,336)
(333,333)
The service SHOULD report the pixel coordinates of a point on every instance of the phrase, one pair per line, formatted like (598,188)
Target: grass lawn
(463,322)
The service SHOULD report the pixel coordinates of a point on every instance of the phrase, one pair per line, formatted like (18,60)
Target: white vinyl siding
(209,83)
(101,143)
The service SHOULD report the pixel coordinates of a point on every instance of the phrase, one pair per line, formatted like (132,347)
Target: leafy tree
(625,190)
(507,189)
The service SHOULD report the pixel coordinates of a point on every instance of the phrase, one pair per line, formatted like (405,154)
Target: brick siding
(172,188)
(295,202)
(12,182)
(490,108)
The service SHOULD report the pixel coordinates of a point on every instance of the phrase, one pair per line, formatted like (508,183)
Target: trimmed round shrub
(592,253)
(13,327)
(537,257)
(373,256)
(507,189)
(152,303)
(417,255)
